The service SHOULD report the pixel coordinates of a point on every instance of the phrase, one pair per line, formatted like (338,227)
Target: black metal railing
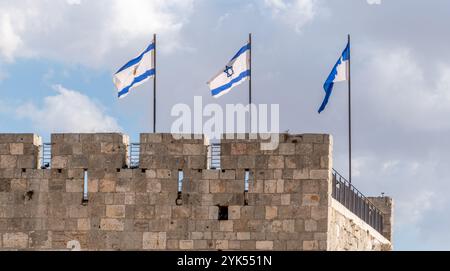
(135,150)
(214,156)
(46,155)
(356,202)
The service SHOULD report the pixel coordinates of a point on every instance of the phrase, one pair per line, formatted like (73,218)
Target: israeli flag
(236,71)
(135,72)
(339,73)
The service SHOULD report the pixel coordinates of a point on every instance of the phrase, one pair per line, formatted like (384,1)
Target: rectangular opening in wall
(180,186)
(214,153)
(223,213)
(135,150)
(85,187)
(45,155)
(246,179)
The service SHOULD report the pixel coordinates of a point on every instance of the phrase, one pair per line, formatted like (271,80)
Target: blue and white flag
(236,71)
(135,72)
(339,73)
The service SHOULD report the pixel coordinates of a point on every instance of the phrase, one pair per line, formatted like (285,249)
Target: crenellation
(288,205)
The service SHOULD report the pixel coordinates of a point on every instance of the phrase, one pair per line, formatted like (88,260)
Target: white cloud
(374,2)
(89,32)
(394,79)
(73,2)
(11,42)
(295,13)
(68,111)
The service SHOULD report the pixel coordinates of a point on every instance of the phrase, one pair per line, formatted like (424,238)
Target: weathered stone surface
(15,240)
(288,204)
(154,240)
(264,245)
(111,224)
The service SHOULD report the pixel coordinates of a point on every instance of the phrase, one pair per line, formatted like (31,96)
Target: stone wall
(349,232)
(19,151)
(288,205)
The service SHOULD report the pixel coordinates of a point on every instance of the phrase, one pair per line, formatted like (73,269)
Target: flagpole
(154,84)
(250,82)
(349,116)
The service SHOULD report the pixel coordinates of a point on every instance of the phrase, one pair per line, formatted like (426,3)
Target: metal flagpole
(349,116)
(250,82)
(154,84)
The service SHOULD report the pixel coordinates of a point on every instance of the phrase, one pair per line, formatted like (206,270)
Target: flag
(339,73)
(135,72)
(236,71)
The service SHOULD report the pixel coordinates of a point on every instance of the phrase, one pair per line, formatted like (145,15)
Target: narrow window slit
(179,200)
(85,188)
(246,185)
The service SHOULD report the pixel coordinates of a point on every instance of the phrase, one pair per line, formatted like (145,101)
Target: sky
(57,59)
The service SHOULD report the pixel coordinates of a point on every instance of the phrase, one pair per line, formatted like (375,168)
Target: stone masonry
(288,205)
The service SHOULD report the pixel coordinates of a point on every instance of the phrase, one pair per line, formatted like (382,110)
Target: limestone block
(243,235)
(210,174)
(228,174)
(248,245)
(26,161)
(234,212)
(311,245)
(312,138)
(228,162)
(301,174)
(264,245)
(106,185)
(276,162)
(270,186)
(74,186)
(153,186)
(226,225)
(271,212)
(286,148)
(144,211)
(59,161)
(213,212)
(115,211)
(111,224)
(197,162)
(319,174)
(4,149)
(200,212)
(163,173)
(304,148)
(18,185)
(181,212)
(319,212)
(154,240)
(78,211)
(8,161)
(15,240)
(222,244)
(238,148)
(310,200)
(285,199)
(186,244)
(194,149)
(16,148)
(245,162)
(288,225)
(290,162)
(150,138)
(83,224)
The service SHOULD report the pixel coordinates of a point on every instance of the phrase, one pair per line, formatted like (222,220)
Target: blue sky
(57,59)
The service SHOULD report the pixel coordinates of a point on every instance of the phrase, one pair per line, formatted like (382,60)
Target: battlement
(92,198)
